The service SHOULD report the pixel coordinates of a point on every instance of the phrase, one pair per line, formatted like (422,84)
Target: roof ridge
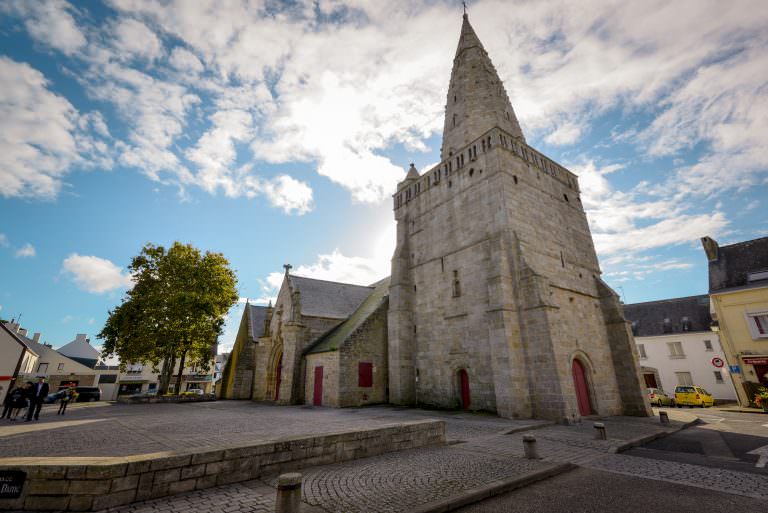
(668,299)
(330,281)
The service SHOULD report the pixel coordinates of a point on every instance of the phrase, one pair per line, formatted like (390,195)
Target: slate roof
(735,262)
(18,338)
(648,318)
(332,340)
(256,317)
(79,348)
(320,298)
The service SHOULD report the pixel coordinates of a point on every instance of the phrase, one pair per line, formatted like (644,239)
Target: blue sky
(274,132)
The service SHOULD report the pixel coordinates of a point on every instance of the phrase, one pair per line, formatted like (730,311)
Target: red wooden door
(278,377)
(650,380)
(582,388)
(464,384)
(317,398)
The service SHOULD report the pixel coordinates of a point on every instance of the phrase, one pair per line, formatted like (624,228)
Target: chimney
(36,337)
(22,332)
(711,248)
(81,337)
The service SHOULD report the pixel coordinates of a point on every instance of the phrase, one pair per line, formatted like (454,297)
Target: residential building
(16,358)
(495,300)
(81,351)
(677,347)
(738,289)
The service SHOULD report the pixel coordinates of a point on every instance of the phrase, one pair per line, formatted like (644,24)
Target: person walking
(69,396)
(38,395)
(19,399)
(7,403)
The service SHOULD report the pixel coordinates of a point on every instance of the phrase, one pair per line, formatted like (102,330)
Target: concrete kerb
(530,427)
(642,440)
(492,489)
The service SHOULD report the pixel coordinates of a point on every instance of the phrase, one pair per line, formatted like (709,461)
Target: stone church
(494,303)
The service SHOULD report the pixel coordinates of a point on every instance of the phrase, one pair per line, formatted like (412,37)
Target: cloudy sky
(275,132)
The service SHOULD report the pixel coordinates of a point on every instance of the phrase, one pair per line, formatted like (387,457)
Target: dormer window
(685,322)
(667,326)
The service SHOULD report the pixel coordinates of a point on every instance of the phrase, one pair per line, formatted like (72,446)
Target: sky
(275,132)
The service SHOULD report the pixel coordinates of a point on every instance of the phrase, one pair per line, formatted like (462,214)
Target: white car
(197,391)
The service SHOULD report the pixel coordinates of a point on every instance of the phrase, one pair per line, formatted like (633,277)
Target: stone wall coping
(107,461)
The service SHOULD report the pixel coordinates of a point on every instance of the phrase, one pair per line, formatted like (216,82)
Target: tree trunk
(165,378)
(163,388)
(181,371)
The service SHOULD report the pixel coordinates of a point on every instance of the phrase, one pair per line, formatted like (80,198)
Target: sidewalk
(477,463)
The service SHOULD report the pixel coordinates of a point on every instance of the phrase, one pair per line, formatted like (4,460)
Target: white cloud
(50,22)
(134,39)
(96,275)
(26,251)
(627,222)
(3,241)
(39,137)
(184,60)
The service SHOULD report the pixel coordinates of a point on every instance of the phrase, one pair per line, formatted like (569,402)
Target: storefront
(130,387)
(756,369)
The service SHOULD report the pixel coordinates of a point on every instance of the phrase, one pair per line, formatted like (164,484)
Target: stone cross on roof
(288,268)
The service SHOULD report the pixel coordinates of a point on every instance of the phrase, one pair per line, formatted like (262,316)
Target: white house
(677,347)
(16,357)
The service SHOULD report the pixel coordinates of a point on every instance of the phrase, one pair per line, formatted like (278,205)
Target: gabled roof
(42,351)
(256,317)
(320,298)
(80,348)
(332,340)
(18,338)
(648,319)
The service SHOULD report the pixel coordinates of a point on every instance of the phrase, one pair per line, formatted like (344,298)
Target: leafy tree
(174,312)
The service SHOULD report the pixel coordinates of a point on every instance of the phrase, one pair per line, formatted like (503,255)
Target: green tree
(175,311)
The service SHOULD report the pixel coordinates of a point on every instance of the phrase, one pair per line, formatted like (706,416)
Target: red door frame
(464,387)
(582,387)
(278,377)
(317,398)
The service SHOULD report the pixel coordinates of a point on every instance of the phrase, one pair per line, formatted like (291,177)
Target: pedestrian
(19,399)
(69,396)
(38,395)
(7,402)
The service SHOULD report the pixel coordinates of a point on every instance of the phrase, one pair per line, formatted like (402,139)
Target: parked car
(52,398)
(692,395)
(659,397)
(88,394)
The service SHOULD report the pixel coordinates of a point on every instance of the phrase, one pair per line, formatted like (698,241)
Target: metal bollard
(600,433)
(663,417)
(529,444)
(288,493)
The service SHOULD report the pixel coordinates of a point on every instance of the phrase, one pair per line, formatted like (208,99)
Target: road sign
(718,362)
(735,369)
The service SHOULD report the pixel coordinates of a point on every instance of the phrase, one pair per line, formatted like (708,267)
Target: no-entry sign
(718,362)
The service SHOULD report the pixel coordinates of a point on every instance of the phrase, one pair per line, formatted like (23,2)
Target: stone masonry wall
(367,344)
(330,363)
(88,484)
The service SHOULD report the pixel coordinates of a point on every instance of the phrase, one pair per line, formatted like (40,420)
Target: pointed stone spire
(477,100)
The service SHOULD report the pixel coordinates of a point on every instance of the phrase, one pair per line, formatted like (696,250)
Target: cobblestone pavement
(479,453)
(138,429)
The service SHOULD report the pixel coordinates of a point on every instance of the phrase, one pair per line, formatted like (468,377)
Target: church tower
(496,301)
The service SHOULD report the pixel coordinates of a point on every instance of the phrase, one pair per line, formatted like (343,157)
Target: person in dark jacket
(19,399)
(38,394)
(8,403)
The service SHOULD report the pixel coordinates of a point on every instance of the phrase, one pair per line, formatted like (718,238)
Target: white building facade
(677,347)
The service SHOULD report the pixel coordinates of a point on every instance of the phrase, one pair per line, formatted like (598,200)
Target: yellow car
(691,395)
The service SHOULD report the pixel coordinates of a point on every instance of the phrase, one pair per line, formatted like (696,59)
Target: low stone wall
(90,484)
(143,399)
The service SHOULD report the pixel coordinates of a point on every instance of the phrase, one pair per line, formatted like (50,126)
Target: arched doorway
(581,385)
(464,389)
